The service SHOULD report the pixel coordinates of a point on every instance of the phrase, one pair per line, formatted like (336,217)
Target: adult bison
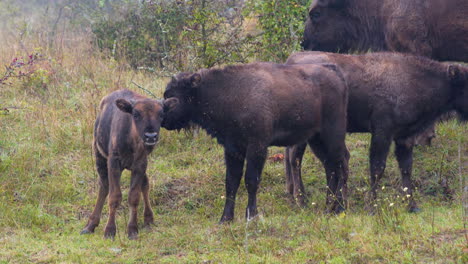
(392,96)
(437,29)
(250,107)
(125,133)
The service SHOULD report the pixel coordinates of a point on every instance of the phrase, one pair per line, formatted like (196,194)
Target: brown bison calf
(392,96)
(125,133)
(250,107)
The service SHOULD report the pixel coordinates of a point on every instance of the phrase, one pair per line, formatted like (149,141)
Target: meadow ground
(48,184)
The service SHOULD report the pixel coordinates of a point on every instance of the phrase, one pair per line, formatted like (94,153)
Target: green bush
(282,24)
(179,36)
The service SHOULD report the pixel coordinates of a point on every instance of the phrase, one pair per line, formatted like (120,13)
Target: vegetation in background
(51,86)
(282,25)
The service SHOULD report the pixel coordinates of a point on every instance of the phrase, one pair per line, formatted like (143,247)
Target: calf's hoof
(86,231)
(149,221)
(226,220)
(251,213)
(414,210)
(109,233)
(133,236)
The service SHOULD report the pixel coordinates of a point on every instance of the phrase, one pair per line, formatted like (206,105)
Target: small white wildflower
(222,196)
(383,188)
(391,204)
(405,189)
(375,205)
(313,203)
(408,195)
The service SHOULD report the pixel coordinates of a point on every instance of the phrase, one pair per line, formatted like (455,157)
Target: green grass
(48,186)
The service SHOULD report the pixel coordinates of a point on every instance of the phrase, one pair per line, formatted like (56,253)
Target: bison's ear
(170,104)
(195,80)
(455,75)
(124,105)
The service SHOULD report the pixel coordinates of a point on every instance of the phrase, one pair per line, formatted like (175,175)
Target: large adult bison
(250,107)
(393,96)
(437,29)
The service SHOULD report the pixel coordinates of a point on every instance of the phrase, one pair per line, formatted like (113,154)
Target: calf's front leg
(136,183)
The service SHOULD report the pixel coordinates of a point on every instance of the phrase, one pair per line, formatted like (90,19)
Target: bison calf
(125,133)
(394,97)
(250,107)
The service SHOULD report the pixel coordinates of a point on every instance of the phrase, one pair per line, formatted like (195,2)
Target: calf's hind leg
(380,145)
(256,156)
(404,155)
(95,217)
(334,157)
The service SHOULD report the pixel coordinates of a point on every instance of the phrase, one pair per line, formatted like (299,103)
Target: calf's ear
(195,80)
(124,105)
(170,104)
(455,75)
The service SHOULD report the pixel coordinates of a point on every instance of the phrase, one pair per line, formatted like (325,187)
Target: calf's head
(328,27)
(147,115)
(458,76)
(179,100)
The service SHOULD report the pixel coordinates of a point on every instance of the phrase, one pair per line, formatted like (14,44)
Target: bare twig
(144,89)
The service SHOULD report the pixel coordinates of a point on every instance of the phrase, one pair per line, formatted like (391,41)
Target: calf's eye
(136,116)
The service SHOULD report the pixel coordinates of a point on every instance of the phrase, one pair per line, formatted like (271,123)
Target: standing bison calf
(125,133)
(250,107)
(394,97)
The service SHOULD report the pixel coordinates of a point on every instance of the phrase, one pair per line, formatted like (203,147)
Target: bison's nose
(151,138)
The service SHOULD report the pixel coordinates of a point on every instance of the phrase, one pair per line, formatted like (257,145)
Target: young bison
(125,133)
(393,97)
(250,107)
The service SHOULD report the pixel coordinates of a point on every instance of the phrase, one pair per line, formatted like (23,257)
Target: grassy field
(48,184)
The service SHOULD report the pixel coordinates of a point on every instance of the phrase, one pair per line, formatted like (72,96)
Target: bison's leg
(380,145)
(94,218)
(234,167)
(115,195)
(148,213)
(136,183)
(334,156)
(404,155)
(256,156)
(293,162)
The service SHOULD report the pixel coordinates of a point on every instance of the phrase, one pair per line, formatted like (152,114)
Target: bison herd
(314,98)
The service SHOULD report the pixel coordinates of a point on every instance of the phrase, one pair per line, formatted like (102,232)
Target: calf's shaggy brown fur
(125,133)
(250,107)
